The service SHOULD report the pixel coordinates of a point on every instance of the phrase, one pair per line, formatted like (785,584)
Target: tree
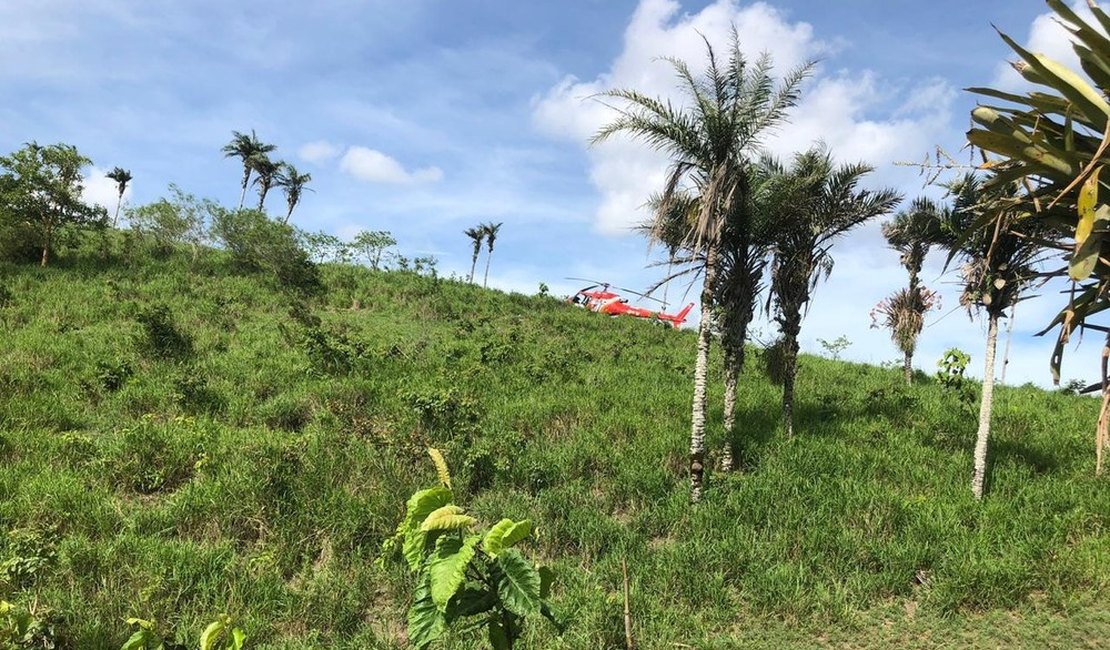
(732,105)
(266,174)
(171,222)
(827,204)
(1052,141)
(912,233)
(246,148)
(293,184)
(476,234)
(998,266)
(371,245)
(490,231)
(122,177)
(40,193)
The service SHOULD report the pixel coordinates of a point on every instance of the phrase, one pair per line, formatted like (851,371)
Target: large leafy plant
(467,578)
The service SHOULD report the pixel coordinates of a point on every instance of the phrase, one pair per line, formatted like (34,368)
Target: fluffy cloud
(373,166)
(837,107)
(318,152)
(1046,36)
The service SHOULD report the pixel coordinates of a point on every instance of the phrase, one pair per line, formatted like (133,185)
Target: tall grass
(240,456)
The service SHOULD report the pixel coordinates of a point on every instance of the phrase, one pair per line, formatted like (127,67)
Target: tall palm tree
(477,235)
(293,184)
(266,175)
(827,205)
(122,177)
(490,231)
(912,233)
(732,105)
(999,265)
(246,148)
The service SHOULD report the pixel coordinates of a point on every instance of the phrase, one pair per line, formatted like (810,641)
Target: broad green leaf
(505,534)
(420,505)
(447,518)
(447,569)
(1088,198)
(469,601)
(142,640)
(498,636)
(519,586)
(1085,260)
(1089,101)
(238,639)
(426,622)
(547,577)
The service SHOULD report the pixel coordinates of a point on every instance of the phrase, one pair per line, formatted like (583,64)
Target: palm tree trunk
(979,476)
(289,214)
(119,202)
(246,182)
(485,280)
(907,367)
(791,327)
(701,368)
(734,364)
(1009,340)
(473,265)
(262,191)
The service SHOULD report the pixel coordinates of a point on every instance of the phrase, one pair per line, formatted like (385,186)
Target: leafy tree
(998,267)
(911,232)
(732,105)
(257,244)
(40,193)
(372,246)
(826,204)
(1052,140)
(181,219)
(246,148)
(266,175)
(293,185)
(476,234)
(324,247)
(122,177)
(490,231)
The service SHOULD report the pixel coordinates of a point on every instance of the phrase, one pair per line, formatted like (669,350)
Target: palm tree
(912,233)
(476,234)
(732,105)
(490,232)
(827,205)
(246,148)
(293,184)
(266,174)
(122,177)
(999,264)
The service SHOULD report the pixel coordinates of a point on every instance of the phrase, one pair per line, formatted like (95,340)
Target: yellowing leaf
(447,518)
(441,466)
(1088,197)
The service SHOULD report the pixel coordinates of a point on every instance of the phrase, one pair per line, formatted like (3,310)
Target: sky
(425,117)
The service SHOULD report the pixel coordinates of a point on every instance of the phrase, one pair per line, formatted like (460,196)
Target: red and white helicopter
(598,298)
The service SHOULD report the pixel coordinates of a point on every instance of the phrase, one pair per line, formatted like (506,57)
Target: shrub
(258,245)
(163,338)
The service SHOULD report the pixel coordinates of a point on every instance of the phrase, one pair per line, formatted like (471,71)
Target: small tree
(373,246)
(122,177)
(40,193)
(827,204)
(911,233)
(181,219)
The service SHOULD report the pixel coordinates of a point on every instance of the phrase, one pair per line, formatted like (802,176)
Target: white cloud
(1046,36)
(318,152)
(103,191)
(837,107)
(373,166)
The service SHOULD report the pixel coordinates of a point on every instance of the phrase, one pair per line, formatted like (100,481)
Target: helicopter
(597,297)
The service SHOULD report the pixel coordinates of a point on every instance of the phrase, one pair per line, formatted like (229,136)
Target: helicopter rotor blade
(637,293)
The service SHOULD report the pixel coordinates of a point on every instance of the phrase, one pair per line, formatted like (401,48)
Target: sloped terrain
(179,442)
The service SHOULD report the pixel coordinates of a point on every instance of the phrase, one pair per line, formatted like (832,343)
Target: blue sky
(425,117)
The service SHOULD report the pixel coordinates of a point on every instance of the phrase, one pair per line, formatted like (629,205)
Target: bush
(163,338)
(258,245)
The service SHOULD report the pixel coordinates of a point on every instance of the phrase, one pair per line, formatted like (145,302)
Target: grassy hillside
(176,443)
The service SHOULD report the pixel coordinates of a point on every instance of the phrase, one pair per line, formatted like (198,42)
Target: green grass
(233,458)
